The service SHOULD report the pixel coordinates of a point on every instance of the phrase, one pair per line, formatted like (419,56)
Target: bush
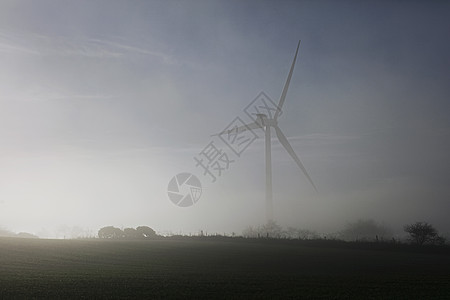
(141,232)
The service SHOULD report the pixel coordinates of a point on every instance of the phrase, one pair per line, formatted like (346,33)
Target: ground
(224,268)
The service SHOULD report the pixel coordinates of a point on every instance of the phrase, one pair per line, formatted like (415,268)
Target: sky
(103,102)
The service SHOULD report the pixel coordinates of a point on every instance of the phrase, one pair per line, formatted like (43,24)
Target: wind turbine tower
(265,123)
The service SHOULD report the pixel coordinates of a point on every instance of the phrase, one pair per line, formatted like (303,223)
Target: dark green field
(218,268)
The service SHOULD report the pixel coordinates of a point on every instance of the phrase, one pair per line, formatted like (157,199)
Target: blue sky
(102,102)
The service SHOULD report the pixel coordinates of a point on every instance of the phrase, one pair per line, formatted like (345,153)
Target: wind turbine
(264,122)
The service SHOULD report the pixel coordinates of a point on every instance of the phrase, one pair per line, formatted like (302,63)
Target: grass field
(218,268)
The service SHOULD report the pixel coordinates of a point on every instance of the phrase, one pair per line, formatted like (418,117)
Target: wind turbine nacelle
(262,120)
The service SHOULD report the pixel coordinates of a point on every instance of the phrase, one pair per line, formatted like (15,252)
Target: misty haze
(224,149)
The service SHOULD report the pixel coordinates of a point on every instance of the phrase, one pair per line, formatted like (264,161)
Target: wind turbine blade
(237,130)
(286,85)
(284,141)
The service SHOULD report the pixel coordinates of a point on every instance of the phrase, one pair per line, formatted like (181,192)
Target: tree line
(418,233)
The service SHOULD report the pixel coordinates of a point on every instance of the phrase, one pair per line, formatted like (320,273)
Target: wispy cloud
(38,44)
(44,92)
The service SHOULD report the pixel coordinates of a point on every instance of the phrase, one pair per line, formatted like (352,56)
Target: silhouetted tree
(423,233)
(110,232)
(146,232)
(131,233)
(365,230)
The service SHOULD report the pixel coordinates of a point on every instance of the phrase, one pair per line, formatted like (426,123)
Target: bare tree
(423,233)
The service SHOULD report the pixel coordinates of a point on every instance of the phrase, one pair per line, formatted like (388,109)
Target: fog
(102,103)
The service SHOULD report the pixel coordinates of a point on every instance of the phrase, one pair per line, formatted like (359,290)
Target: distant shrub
(269,230)
(141,232)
